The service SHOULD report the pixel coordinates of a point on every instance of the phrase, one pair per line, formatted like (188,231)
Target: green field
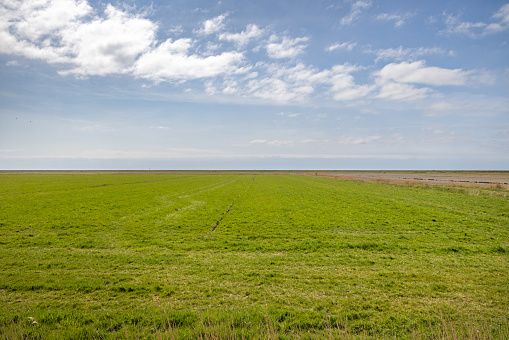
(249,256)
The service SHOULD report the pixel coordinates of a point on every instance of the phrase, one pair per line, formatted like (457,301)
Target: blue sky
(351,84)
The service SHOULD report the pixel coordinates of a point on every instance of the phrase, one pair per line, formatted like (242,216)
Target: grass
(137,255)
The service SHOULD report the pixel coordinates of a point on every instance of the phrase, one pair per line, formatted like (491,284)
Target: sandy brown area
(493,179)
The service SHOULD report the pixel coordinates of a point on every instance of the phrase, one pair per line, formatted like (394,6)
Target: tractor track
(231,205)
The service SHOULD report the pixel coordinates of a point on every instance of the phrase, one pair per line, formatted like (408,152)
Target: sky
(240,84)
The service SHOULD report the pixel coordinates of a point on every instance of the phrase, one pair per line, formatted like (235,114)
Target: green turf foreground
(216,256)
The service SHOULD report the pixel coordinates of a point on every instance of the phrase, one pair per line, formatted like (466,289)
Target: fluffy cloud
(38,19)
(84,42)
(65,32)
(109,45)
(343,84)
(32,28)
(418,72)
(171,61)
(280,84)
(302,74)
(478,29)
(287,48)
(69,33)
(284,84)
(212,25)
(395,81)
(396,91)
(503,16)
(242,39)
(355,11)
(278,90)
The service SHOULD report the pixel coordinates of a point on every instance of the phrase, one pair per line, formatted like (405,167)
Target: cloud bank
(83,41)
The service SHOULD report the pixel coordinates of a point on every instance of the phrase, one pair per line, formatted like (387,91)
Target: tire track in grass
(167,202)
(232,204)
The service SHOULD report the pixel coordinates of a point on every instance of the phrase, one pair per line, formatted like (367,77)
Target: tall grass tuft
(229,326)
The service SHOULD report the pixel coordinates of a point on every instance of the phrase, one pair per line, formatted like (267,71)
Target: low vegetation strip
(297,257)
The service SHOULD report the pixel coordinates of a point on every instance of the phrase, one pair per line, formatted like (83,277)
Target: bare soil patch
(487,179)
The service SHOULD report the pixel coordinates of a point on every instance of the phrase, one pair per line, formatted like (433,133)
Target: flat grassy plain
(224,255)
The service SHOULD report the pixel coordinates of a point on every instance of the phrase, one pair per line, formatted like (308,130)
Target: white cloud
(355,11)
(110,45)
(344,86)
(212,25)
(37,19)
(32,28)
(418,72)
(230,86)
(289,114)
(200,10)
(288,48)
(503,16)
(397,91)
(282,84)
(281,142)
(399,20)
(176,30)
(118,41)
(455,26)
(302,74)
(277,90)
(242,39)
(258,141)
(171,61)
(64,32)
(395,80)
(275,142)
(358,140)
(211,48)
(341,46)
(401,53)
(478,29)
